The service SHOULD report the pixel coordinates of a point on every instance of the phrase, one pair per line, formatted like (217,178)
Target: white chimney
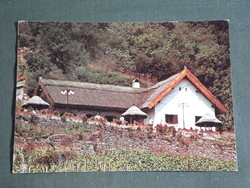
(136,84)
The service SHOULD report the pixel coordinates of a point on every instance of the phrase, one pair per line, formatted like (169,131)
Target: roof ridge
(105,87)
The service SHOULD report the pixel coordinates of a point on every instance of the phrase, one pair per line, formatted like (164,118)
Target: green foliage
(85,74)
(77,127)
(54,52)
(32,128)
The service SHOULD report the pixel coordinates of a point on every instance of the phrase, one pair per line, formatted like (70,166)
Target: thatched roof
(155,90)
(117,97)
(100,95)
(92,95)
(134,111)
(208,120)
(36,101)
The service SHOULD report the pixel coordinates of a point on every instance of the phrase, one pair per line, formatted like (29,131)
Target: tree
(54,52)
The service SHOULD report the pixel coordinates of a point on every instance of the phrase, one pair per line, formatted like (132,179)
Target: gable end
(196,82)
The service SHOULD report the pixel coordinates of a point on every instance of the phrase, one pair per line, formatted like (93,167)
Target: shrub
(77,127)
(83,117)
(55,158)
(56,113)
(30,109)
(33,119)
(44,111)
(119,122)
(68,114)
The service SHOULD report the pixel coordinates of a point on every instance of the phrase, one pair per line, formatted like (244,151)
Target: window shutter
(175,119)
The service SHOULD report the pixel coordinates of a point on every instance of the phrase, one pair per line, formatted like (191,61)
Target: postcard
(123,97)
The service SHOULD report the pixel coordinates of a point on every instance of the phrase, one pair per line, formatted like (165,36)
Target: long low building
(179,100)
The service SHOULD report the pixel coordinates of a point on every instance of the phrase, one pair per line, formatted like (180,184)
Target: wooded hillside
(115,53)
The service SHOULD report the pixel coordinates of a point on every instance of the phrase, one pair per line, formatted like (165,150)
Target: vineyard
(47,145)
(117,160)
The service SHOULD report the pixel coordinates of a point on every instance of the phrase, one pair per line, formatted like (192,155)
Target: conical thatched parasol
(208,120)
(134,113)
(36,102)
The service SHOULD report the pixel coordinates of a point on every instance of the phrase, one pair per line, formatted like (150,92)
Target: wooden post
(67,99)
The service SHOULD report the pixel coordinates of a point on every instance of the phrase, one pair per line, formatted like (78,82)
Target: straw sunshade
(134,111)
(36,102)
(208,120)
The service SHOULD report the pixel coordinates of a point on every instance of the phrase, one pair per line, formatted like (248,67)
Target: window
(197,118)
(171,119)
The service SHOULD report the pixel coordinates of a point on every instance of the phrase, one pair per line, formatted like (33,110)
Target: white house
(178,101)
(182,107)
(183,102)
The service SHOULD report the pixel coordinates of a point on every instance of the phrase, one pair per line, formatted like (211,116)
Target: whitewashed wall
(151,114)
(195,105)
